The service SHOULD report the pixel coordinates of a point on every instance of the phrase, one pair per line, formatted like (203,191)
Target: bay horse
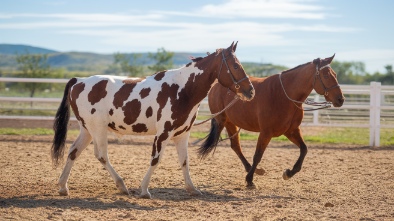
(164,104)
(276,110)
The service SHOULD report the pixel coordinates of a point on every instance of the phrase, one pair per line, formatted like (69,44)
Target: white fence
(369,106)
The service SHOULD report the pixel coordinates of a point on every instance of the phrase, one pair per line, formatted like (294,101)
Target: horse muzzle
(247,95)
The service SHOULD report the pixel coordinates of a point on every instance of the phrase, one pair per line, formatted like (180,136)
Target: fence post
(374,114)
(316,112)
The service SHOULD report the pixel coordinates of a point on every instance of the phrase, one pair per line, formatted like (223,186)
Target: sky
(283,32)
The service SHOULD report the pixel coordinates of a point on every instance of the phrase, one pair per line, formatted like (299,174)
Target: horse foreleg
(100,141)
(82,141)
(258,155)
(159,145)
(232,132)
(296,137)
(181,143)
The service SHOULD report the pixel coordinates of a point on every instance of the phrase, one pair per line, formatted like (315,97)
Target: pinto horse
(164,104)
(276,109)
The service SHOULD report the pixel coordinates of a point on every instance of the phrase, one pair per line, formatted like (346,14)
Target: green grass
(30,131)
(358,136)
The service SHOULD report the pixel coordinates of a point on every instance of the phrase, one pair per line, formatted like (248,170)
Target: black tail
(211,141)
(60,125)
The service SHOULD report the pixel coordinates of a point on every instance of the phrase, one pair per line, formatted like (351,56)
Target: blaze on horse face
(232,75)
(326,83)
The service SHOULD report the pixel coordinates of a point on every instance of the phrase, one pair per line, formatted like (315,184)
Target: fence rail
(369,106)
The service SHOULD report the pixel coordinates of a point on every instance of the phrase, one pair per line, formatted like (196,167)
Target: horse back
(99,101)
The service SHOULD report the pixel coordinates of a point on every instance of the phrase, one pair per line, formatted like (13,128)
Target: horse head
(326,83)
(232,75)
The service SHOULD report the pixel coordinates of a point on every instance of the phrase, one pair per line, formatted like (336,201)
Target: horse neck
(198,78)
(205,72)
(298,83)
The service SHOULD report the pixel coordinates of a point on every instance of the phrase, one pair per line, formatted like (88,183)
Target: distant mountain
(98,63)
(10,49)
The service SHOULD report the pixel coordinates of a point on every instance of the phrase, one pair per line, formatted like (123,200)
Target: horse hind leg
(181,144)
(83,140)
(100,141)
(296,138)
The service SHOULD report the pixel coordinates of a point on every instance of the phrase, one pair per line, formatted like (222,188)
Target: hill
(10,49)
(98,63)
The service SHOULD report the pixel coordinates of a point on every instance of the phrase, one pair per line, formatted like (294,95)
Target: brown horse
(276,109)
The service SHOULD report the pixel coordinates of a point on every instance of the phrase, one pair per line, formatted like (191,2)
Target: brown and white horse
(275,110)
(164,104)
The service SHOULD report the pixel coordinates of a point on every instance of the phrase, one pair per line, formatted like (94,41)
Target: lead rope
(236,98)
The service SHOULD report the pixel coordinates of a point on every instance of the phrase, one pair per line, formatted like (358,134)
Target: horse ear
(235,46)
(317,61)
(231,47)
(330,59)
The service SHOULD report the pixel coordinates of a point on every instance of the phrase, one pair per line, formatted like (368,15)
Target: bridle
(319,105)
(236,83)
(317,75)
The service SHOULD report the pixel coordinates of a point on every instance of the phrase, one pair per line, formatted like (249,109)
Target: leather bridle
(317,75)
(236,83)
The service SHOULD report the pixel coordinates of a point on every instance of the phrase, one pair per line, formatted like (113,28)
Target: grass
(30,131)
(329,135)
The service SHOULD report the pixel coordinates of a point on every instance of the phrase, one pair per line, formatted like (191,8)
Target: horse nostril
(252,92)
(341,100)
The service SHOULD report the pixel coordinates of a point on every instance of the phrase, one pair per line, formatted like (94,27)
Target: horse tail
(60,125)
(211,140)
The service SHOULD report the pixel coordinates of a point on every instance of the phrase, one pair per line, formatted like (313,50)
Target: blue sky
(286,32)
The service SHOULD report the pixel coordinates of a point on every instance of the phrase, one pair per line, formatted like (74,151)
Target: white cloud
(265,9)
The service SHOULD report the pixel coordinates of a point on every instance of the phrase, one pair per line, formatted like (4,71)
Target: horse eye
(235,66)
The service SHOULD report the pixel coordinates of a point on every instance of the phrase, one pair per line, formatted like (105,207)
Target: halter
(236,83)
(319,105)
(317,75)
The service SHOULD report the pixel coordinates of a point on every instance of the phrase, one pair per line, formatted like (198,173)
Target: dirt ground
(337,182)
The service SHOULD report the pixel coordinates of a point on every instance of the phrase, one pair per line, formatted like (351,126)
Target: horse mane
(197,59)
(301,65)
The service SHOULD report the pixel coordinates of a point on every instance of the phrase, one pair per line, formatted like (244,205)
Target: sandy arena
(337,182)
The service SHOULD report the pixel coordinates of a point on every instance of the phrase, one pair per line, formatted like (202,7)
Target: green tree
(33,66)
(349,72)
(126,64)
(163,58)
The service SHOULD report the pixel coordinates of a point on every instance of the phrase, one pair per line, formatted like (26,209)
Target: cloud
(264,9)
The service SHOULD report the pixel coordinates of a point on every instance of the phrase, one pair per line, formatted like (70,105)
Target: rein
(236,98)
(318,105)
(236,83)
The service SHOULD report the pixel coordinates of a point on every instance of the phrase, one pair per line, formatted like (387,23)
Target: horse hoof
(251,186)
(194,192)
(285,174)
(63,192)
(145,196)
(259,171)
(121,187)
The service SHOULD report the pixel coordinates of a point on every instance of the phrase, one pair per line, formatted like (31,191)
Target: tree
(349,72)
(126,63)
(33,66)
(163,58)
